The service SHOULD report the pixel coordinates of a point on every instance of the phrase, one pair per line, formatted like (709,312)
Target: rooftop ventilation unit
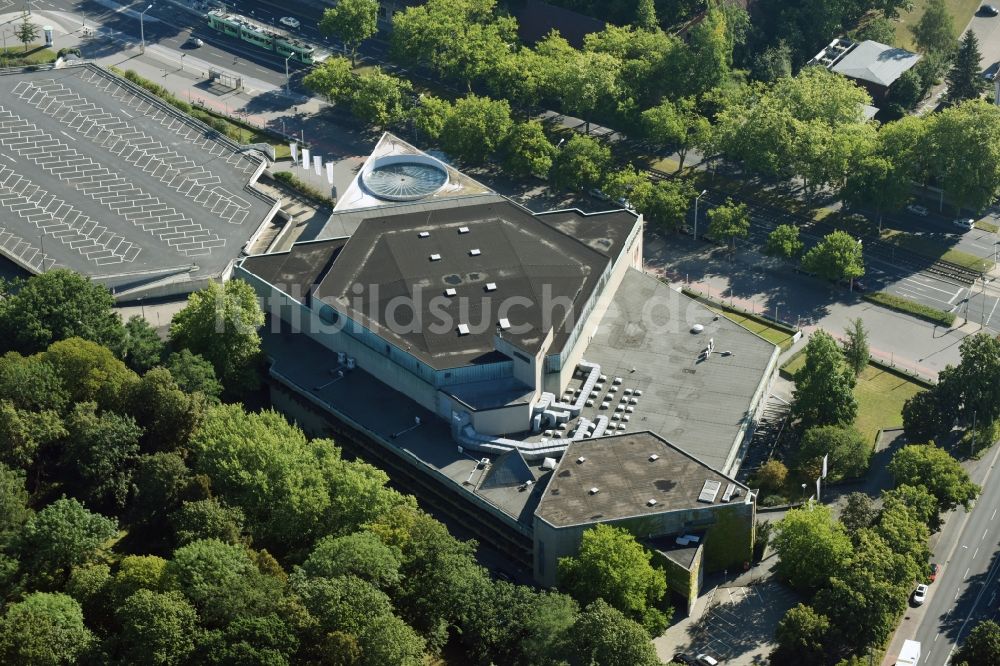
(654,458)
(424,234)
(474,252)
(549,463)
(728,495)
(450,292)
(651,502)
(351,363)
(504,324)
(463,230)
(709,491)
(491,286)
(463,329)
(581,460)
(594,490)
(435,257)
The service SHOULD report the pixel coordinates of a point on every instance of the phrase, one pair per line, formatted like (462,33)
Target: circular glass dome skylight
(404,177)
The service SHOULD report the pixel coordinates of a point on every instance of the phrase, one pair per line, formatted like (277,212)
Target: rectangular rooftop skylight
(435,257)
(709,491)
(475,252)
(463,230)
(463,329)
(450,292)
(504,323)
(491,286)
(424,234)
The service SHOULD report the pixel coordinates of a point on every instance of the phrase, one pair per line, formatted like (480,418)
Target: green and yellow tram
(242,28)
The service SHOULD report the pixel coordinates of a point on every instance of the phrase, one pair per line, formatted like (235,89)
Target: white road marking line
(966,573)
(67,135)
(10,158)
(124,112)
(958,593)
(937,636)
(985,532)
(975,553)
(995,303)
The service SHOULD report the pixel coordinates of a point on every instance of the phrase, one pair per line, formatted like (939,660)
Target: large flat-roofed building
(467,344)
(110,181)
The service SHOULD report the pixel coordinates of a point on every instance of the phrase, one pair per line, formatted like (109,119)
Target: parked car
(989,10)
(917,209)
(598,194)
(966,223)
(706,660)
(990,72)
(934,572)
(919,595)
(684,658)
(289,22)
(193,42)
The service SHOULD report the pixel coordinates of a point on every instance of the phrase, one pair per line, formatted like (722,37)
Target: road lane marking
(67,135)
(994,513)
(995,303)
(985,532)
(125,113)
(975,553)
(937,636)
(958,593)
(967,572)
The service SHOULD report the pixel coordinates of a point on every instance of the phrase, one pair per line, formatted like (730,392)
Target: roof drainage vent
(651,502)
(654,458)
(491,286)
(424,234)
(697,328)
(435,257)
(581,460)
(595,490)
(463,329)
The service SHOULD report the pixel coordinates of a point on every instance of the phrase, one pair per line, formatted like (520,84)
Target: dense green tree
(24,433)
(91,372)
(352,22)
(812,546)
(665,203)
(935,31)
(361,554)
(167,415)
(837,257)
(710,52)
(964,78)
(772,63)
(14,511)
(905,533)
(604,635)
(266,639)
(162,481)
(157,628)
(784,242)
(964,145)
(589,80)
(645,15)
(43,629)
(475,128)
(878,28)
(970,387)
(429,115)
(221,581)
(333,79)
(859,512)
(193,373)
(138,572)
(677,126)
(907,91)
(528,152)
(580,164)
(143,346)
(458,39)
(653,64)
(934,468)
(31,383)
(60,536)
(208,519)
(981,647)
(102,452)
(57,305)
(729,221)
(824,386)
(802,637)
(927,416)
(380,99)
(772,475)
(856,351)
(917,498)
(90,586)
(220,323)
(613,566)
(847,450)
(878,183)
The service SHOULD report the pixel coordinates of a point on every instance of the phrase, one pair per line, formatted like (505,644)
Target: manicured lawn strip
(14,56)
(935,250)
(961,11)
(880,394)
(905,305)
(983,225)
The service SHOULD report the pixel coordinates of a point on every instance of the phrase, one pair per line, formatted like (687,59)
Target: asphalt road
(967,586)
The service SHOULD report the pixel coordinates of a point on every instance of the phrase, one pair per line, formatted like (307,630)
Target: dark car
(934,572)
(682,658)
(193,43)
(989,10)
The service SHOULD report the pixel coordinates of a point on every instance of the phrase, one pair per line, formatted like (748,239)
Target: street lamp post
(696,213)
(142,29)
(286,73)
(804,493)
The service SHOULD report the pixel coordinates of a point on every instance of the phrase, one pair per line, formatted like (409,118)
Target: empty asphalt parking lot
(98,176)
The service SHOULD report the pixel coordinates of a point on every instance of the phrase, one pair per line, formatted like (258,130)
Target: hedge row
(289,179)
(905,305)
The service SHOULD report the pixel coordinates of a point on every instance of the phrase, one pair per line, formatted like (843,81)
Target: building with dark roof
(456,333)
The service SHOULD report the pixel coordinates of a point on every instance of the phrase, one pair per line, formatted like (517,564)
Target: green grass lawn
(935,250)
(983,225)
(880,395)
(36,55)
(779,337)
(961,12)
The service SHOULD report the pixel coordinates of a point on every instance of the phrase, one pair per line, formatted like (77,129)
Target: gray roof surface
(112,181)
(491,393)
(877,63)
(619,467)
(298,270)
(646,339)
(522,256)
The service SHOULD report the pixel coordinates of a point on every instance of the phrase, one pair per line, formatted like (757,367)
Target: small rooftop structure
(629,481)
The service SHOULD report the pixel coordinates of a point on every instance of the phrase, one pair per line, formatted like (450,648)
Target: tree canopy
(824,386)
(934,468)
(352,22)
(812,546)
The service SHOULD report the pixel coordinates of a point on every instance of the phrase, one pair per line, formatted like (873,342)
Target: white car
(917,209)
(965,223)
(706,660)
(289,22)
(919,595)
